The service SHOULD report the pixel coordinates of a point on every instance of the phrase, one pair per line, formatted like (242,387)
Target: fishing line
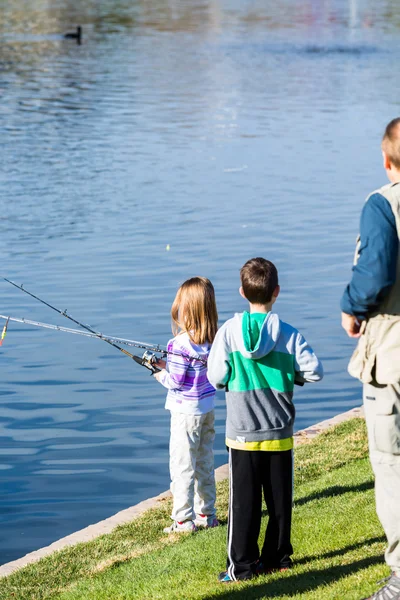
(147,360)
(64,314)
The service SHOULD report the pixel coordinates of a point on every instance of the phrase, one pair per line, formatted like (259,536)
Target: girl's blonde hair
(194,310)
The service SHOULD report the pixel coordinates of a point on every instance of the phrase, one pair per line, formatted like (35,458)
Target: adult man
(371,312)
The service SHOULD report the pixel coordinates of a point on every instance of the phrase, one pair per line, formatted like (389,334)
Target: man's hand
(161,364)
(351,325)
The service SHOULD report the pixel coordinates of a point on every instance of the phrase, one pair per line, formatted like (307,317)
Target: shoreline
(107,525)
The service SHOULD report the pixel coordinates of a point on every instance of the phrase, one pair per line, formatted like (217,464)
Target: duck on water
(77,35)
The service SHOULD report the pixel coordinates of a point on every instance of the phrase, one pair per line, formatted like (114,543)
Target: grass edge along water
(337,538)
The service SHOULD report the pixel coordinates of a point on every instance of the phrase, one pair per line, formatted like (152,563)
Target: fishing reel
(149,360)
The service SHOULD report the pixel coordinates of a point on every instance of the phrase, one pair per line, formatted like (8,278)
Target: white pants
(382,414)
(192,465)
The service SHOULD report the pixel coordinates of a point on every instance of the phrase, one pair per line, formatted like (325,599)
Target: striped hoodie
(257,359)
(189,390)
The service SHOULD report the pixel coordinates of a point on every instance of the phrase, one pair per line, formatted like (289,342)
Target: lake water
(225,129)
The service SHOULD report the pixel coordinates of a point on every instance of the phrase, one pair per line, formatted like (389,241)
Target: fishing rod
(148,359)
(124,341)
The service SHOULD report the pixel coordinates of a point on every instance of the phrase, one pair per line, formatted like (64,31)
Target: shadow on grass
(294,584)
(331,492)
(340,551)
(335,490)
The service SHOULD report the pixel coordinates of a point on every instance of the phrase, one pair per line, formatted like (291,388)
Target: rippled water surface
(225,129)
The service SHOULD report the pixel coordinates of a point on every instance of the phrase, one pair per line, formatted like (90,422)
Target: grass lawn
(337,539)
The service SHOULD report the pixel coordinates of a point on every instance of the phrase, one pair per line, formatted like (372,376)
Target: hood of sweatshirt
(267,337)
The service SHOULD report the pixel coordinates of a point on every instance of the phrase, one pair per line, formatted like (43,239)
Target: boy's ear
(275,293)
(241,292)
(386,161)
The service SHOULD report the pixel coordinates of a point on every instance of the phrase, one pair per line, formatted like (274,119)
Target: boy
(257,358)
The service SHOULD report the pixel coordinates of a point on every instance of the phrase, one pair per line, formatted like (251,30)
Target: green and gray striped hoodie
(257,358)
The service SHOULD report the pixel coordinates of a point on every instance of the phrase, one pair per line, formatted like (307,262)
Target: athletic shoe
(224,577)
(261,569)
(180,527)
(206,521)
(390,591)
(269,570)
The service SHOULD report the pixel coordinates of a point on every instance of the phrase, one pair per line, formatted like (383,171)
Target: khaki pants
(192,465)
(382,414)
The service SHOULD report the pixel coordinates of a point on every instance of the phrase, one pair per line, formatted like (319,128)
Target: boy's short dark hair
(259,278)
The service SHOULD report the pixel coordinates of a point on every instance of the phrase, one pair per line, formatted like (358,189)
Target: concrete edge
(125,516)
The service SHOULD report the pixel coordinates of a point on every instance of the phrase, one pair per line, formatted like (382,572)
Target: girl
(190,399)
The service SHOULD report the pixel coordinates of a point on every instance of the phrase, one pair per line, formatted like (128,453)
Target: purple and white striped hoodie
(189,390)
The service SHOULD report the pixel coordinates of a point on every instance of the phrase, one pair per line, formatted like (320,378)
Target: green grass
(337,539)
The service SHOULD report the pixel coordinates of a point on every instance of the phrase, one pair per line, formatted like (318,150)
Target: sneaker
(261,569)
(224,577)
(269,570)
(180,527)
(206,521)
(390,591)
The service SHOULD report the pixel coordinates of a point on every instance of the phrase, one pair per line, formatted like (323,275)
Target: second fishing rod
(148,360)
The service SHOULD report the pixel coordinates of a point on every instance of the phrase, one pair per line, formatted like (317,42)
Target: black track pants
(250,474)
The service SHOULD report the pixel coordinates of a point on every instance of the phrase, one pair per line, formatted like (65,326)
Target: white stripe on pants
(192,465)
